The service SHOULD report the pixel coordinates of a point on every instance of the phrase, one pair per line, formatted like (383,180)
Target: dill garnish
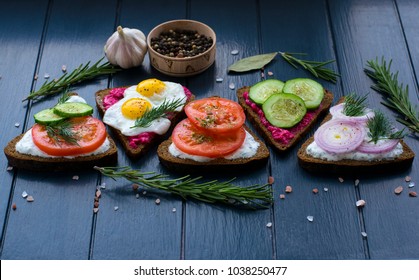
(380,128)
(62,132)
(354,105)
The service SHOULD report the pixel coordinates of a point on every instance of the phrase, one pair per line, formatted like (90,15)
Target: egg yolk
(150,87)
(135,108)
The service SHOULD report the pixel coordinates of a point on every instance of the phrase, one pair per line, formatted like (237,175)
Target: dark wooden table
(38,37)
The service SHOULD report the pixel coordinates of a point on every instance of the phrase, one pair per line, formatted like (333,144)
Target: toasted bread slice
(267,135)
(141,149)
(220,164)
(36,163)
(346,166)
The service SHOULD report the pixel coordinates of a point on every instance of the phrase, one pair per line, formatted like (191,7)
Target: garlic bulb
(126,47)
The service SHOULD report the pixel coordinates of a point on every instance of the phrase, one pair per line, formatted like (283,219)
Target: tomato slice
(89,132)
(194,141)
(216,114)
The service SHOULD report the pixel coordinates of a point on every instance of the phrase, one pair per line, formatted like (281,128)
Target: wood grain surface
(39,37)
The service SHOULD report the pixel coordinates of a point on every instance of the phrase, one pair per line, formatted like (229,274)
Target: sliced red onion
(337,112)
(339,136)
(382,146)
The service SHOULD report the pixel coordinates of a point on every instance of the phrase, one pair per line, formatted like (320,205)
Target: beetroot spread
(117,94)
(281,135)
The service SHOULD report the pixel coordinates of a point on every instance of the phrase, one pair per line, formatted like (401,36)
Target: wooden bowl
(187,66)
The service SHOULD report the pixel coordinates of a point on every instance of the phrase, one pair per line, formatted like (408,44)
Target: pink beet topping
(280,135)
(117,94)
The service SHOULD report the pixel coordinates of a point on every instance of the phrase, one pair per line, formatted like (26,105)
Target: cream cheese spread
(248,149)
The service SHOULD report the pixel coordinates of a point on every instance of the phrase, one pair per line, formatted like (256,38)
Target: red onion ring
(382,146)
(337,112)
(339,136)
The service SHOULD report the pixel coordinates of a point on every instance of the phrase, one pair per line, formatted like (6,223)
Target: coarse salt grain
(364,234)
(24,194)
(173,210)
(9,168)
(95,210)
(315,190)
(116,208)
(46,76)
(232,86)
(282,196)
(137,196)
(269,225)
(310,218)
(413,194)
(360,203)
(98,193)
(17,124)
(157,201)
(411,185)
(356,183)
(30,198)
(271,180)
(270,73)
(75,177)
(341,179)
(325,189)
(64,68)
(235,52)
(219,80)
(407,178)
(14,206)
(398,190)
(288,189)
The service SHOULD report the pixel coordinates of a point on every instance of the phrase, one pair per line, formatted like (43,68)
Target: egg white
(113,115)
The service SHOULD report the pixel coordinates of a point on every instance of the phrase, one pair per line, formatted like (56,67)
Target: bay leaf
(252,62)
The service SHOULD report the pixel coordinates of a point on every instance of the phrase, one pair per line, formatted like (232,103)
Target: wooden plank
(17,66)
(335,233)
(218,232)
(365,30)
(140,229)
(58,224)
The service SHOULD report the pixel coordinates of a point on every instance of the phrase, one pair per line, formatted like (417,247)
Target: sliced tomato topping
(88,132)
(216,114)
(194,141)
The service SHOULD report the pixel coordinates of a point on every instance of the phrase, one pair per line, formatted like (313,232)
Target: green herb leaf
(354,105)
(256,196)
(252,62)
(380,128)
(62,132)
(158,112)
(397,95)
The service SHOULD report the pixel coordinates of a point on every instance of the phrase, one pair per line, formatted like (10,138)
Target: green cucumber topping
(284,110)
(261,91)
(73,109)
(47,117)
(309,90)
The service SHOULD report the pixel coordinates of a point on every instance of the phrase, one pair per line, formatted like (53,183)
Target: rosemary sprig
(354,105)
(380,128)
(387,83)
(80,74)
(62,132)
(316,68)
(256,196)
(161,111)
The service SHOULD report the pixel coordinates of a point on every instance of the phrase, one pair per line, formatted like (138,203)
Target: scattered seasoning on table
(144,192)
(157,201)
(398,190)
(46,76)
(173,210)
(24,194)
(181,43)
(96,204)
(315,191)
(102,186)
(310,218)
(75,177)
(356,182)
(269,225)
(411,185)
(364,234)
(35,77)
(98,193)
(288,189)
(235,52)
(17,124)
(95,210)
(30,198)
(407,178)
(137,196)
(135,187)
(232,86)
(341,179)
(116,208)
(219,80)
(325,189)
(14,206)
(360,203)
(270,73)
(282,196)
(413,194)
(9,168)
(64,68)
(271,180)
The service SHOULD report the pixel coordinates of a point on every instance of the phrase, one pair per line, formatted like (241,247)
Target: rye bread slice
(347,166)
(266,134)
(36,163)
(217,165)
(135,153)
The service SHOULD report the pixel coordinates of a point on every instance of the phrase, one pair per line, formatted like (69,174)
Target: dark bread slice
(141,148)
(36,163)
(219,165)
(266,134)
(353,166)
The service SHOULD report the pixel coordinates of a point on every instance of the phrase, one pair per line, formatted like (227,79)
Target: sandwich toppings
(66,130)
(140,112)
(366,135)
(213,129)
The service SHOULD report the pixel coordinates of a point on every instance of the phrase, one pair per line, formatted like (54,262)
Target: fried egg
(137,100)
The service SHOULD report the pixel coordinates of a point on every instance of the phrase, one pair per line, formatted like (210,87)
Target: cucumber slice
(261,91)
(47,116)
(309,90)
(284,110)
(73,109)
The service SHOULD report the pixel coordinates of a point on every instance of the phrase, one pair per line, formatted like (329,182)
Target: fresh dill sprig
(64,97)
(316,68)
(78,75)
(380,128)
(161,111)
(62,132)
(397,95)
(354,105)
(256,196)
